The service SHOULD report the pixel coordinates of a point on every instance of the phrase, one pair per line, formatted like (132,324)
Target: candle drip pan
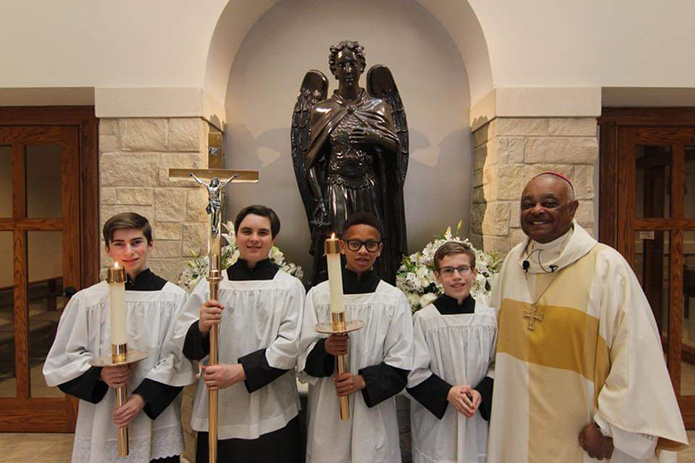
(120,355)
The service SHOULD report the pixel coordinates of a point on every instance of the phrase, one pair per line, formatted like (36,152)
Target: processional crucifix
(214,210)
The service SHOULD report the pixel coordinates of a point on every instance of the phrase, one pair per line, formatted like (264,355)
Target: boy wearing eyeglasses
(379,357)
(451,380)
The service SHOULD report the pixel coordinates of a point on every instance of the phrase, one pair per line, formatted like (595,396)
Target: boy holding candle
(259,313)
(379,357)
(450,381)
(87,330)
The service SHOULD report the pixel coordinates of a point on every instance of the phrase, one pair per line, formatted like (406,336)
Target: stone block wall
(134,159)
(508,152)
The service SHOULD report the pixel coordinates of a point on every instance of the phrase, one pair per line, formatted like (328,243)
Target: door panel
(655,231)
(44,227)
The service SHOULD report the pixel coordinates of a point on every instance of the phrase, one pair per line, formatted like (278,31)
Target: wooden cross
(218,179)
(533,314)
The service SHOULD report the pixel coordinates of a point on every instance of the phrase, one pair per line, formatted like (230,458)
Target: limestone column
(134,158)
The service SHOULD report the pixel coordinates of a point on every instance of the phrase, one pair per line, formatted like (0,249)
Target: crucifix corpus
(214,180)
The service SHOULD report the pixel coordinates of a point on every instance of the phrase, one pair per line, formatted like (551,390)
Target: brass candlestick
(119,356)
(338,323)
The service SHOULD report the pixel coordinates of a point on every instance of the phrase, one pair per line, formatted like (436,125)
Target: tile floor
(56,448)
(33,448)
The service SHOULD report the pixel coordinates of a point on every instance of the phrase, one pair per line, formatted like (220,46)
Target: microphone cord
(526,264)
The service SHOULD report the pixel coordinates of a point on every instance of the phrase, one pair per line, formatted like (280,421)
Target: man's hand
(129,410)
(462,399)
(210,314)
(337,344)
(596,445)
(347,383)
(116,376)
(222,376)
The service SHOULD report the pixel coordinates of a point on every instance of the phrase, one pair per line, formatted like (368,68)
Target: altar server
(451,381)
(259,312)
(84,332)
(379,357)
(579,372)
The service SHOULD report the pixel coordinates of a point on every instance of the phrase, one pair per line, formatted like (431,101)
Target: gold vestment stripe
(567,339)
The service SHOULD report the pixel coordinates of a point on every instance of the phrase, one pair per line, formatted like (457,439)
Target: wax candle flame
(115,264)
(333,235)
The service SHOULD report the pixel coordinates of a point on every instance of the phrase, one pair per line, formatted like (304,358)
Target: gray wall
(294,37)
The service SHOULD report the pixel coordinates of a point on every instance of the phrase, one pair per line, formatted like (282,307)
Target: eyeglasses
(449,271)
(356,245)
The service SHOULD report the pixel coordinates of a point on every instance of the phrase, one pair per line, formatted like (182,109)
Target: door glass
(43,181)
(688,345)
(6,181)
(652,268)
(44,295)
(689,200)
(653,181)
(7,366)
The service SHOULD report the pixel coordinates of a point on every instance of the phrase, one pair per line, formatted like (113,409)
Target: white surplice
(371,434)
(258,314)
(84,332)
(458,348)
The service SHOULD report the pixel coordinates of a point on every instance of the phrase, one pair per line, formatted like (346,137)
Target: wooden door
(39,241)
(648,214)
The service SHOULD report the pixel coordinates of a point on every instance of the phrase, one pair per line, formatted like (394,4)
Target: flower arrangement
(199,266)
(415,277)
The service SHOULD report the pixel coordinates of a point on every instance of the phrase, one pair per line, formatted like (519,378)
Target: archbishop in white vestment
(84,332)
(381,352)
(577,344)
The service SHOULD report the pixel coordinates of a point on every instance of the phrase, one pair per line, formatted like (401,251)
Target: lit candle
(116,281)
(335,276)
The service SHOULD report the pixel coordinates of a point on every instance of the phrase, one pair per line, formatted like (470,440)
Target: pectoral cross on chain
(533,314)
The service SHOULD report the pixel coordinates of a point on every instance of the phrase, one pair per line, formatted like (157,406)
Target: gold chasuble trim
(567,339)
(569,336)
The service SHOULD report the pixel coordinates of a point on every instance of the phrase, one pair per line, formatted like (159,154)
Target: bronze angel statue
(350,154)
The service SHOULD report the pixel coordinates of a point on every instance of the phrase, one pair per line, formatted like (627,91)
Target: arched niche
(456,16)
(292,37)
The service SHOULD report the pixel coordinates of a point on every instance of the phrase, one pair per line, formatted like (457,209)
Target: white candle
(335,275)
(116,280)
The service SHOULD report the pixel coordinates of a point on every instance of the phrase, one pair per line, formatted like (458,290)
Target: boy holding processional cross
(84,333)
(259,313)
(379,357)
(451,380)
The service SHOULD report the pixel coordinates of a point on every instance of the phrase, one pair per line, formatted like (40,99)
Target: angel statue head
(346,60)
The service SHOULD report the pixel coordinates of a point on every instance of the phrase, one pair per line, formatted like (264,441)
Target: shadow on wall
(270,154)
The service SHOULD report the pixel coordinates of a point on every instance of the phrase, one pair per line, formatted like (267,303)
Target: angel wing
(313,90)
(380,84)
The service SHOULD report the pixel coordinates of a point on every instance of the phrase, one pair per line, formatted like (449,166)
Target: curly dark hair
(352,45)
